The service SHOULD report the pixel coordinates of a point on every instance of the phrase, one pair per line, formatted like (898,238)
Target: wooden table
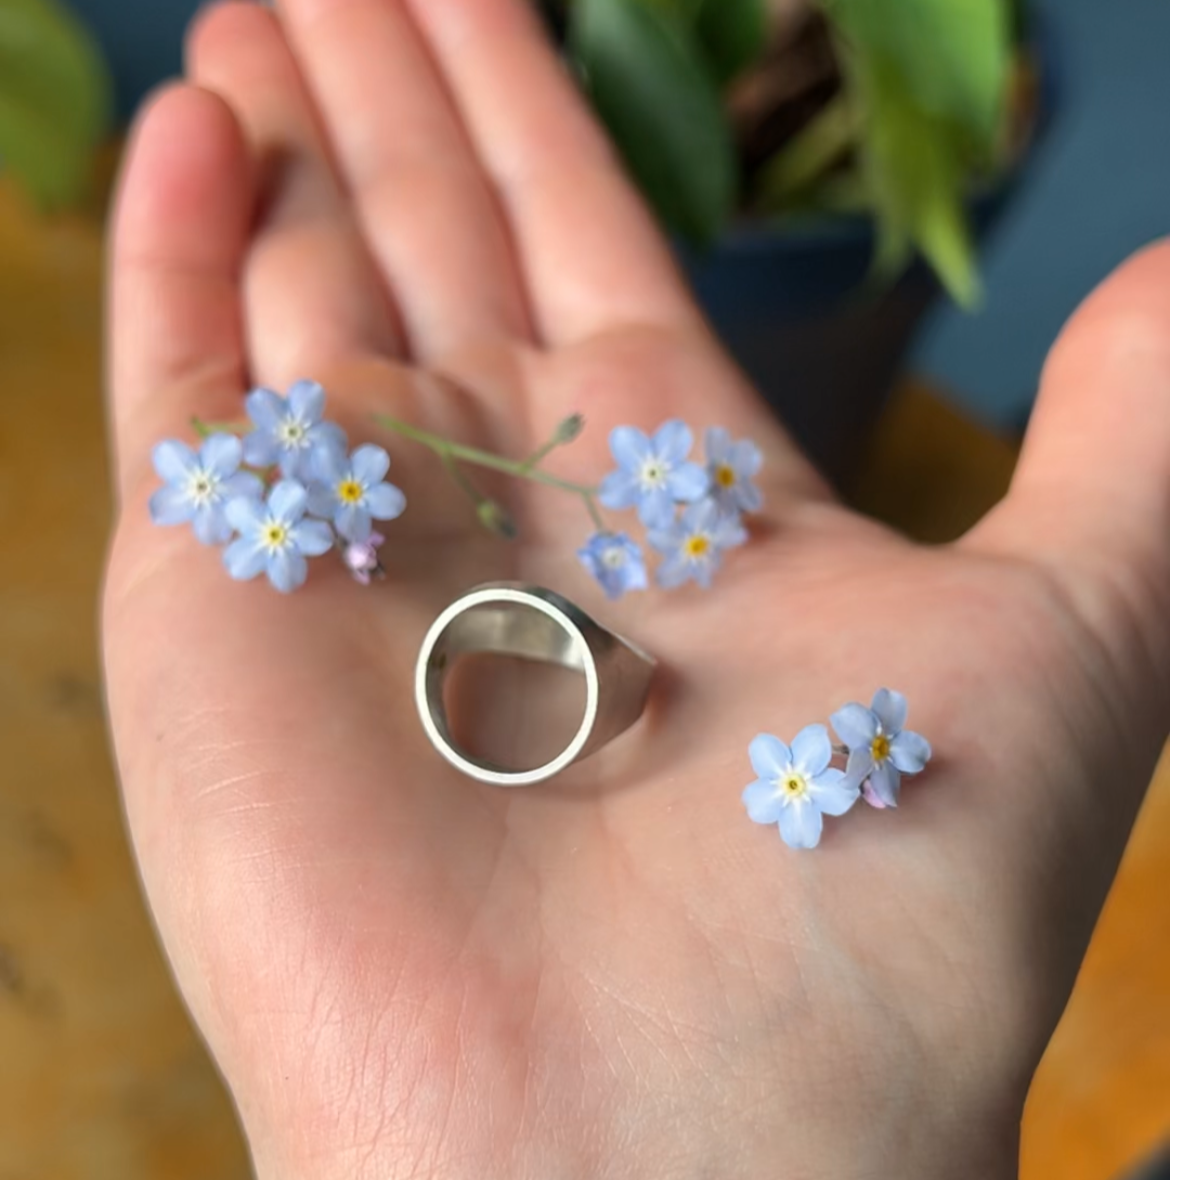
(101,1076)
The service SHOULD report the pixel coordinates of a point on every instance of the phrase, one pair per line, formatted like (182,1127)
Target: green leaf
(732,34)
(657,98)
(917,179)
(800,163)
(55,99)
(952,56)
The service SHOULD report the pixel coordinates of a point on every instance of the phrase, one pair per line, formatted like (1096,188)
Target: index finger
(180,230)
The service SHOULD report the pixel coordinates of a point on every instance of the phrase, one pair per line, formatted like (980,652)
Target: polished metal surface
(529,622)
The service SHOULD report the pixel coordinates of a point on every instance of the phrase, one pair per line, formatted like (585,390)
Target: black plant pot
(794,308)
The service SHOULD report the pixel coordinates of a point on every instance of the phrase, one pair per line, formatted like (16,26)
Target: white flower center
(614,558)
(203,487)
(653,474)
(292,433)
(794,785)
(275,536)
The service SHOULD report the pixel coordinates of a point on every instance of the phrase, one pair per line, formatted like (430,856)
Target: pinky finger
(181,227)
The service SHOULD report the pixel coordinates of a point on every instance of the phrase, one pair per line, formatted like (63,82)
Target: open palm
(403,972)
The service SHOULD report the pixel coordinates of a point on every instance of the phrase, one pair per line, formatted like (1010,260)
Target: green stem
(444,447)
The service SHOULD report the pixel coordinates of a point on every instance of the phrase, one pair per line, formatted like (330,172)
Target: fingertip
(186,171)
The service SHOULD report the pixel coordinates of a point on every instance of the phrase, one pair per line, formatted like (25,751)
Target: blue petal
(293,462)
(701,517)
(801,824)
(855,726)
(769,756)
(630,447)
(745,459)
(306,399)
(369,465)
(688,482)
(860,766)
(885,781)
(811,750)
(266,409)
(353,522)
(656,508)
(312,537)
(321,501)
(385,501)
(890,708)
(328,463)
(666,541)
(244,559)
(717,445)
(246,514)
(210,525)
(260,449)
(242,483)
(287,501)
(747,497)
(728,532)
(764,802)
(909,752)
(703,569)
(618,490)
(173,460)
(221,454)
(329,434)
(287,570)
(833,793)
(672,442)
(170,505)
(673,572)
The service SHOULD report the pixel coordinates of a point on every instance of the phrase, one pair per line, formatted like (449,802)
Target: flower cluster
(797,785)
(692,512)
(287,491)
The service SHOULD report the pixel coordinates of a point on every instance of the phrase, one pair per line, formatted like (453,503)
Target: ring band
(514,619)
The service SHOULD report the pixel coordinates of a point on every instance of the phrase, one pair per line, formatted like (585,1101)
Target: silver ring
(510,618)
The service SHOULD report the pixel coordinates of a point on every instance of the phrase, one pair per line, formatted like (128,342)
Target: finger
(590,254)
(180,232)
(311,293)
(424,203)
(1089,502)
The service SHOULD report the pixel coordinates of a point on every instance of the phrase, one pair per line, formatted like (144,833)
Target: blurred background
(889,221)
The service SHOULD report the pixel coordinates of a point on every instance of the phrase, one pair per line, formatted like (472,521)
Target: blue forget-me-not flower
(732,466)
(276,538)
(199,484)
(653,473)
(616,562)
(797,785)
(349,490)
(692,545)
(289,429)
(880,750)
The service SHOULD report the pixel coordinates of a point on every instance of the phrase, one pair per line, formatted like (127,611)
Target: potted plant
(825,165)
(55,101)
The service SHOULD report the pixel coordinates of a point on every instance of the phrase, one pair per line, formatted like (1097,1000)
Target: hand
(402,972)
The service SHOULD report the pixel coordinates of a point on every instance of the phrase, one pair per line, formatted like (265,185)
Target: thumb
(1088,506)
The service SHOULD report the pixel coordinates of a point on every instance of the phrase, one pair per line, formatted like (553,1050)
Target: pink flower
(362,561)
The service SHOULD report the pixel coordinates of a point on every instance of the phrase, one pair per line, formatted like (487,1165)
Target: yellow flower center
(349,491)
(696,546)
(794,785)
(880,748)
(275,535)
(725,477)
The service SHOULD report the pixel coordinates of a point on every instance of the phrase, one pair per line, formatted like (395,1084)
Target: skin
(404,973)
